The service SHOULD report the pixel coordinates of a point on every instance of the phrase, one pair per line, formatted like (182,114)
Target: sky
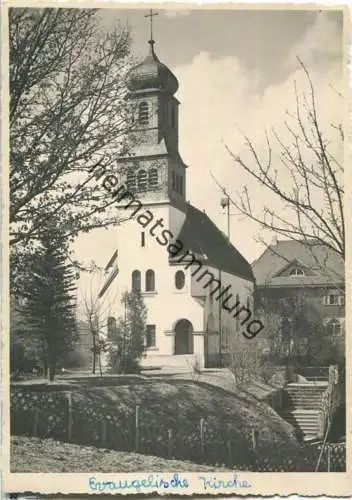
(236,71)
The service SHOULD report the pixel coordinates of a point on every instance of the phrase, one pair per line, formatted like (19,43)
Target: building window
(334,327)
(334,299)
(150,281)
(150,336)
(173,117)
(143,113)
(153,178)
(297,271)
(142,239)
(111,326)
(131,180)
(136,281)
(173,177)
(177,183)
(181,185)
(180,280)
(142,180)
(225,337)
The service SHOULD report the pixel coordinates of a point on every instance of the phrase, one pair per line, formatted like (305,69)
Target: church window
(181,185)
(150,336)
(153,177)
(149,281)
(180,280)
(297,271)
(111,326)
(142,180)
(142,239)
(131,180)
(136,281)
(143,113)
(173,176)
(177,183)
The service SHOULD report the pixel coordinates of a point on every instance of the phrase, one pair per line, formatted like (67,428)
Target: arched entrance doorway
(183,337)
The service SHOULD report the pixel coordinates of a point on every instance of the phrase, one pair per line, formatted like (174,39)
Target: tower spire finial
(151,15)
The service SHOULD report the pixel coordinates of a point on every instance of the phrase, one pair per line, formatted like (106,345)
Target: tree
(49,307)
(294,330)
(313,200)
(96,310)
(68,114)
(127,343)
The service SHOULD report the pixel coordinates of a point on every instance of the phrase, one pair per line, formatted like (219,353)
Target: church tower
(154,170)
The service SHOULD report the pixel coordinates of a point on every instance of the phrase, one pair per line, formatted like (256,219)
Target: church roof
(152,74)
(202,237)
(325,265)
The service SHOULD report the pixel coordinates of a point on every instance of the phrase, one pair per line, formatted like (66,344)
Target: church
(196,286)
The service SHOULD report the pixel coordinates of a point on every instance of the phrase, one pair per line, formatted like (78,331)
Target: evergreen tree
(50,302)
(127,342)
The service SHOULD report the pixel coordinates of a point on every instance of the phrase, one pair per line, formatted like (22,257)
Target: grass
(48,455)
(165,403)
(181,404)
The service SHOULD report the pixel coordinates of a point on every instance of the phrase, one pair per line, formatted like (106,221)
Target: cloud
(218,98)
(219,95)
(176,13)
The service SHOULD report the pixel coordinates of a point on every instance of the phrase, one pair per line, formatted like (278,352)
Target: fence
(62,416)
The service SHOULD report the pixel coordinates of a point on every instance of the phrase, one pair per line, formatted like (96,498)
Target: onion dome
(152,74)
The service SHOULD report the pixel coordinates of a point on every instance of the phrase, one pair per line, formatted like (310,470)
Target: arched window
(143,113)
(177,183)
(149,281)
(180,280)
(173,180)
(136,281)
(111,326)
(297,271)
(142,180)
(181,185)
(131,180)
(153,177)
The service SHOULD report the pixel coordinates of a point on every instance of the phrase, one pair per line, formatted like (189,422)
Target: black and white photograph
(176,248)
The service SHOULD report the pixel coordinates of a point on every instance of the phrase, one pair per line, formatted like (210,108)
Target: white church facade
(196,286)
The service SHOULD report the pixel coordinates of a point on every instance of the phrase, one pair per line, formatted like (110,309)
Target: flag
(108,282)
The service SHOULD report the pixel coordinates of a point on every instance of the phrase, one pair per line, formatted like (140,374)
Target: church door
(183,337)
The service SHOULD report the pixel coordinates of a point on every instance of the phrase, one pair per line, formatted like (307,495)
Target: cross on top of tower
(151,15)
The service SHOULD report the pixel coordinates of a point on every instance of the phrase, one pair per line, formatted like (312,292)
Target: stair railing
(329,407)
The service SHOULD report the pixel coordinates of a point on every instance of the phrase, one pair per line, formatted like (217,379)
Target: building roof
(203,238)
(325,266)
(152,74)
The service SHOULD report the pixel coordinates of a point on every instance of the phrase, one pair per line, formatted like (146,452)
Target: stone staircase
(303,408)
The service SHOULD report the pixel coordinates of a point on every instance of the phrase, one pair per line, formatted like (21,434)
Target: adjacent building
(314,273)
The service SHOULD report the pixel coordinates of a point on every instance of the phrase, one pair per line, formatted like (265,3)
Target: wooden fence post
(137,429)
(170,443)
(202,438)
(36,422)
(103,432)
(70,420)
